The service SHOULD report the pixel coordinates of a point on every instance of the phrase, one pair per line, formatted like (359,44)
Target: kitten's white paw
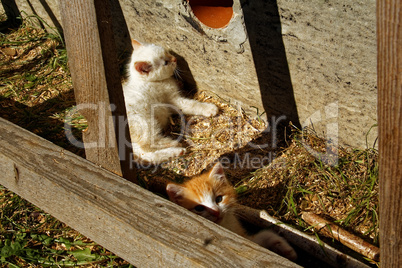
(168,153)
(165,142)
(284,249)
(275,243)
(208,109)
(289,253)
(177,151)
(158,156)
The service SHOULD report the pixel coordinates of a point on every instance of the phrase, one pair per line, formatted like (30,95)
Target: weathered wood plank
(86,64)
(389,67)
(142,228)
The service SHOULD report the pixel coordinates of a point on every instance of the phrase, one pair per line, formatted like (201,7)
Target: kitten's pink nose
(214,212)
(174,59)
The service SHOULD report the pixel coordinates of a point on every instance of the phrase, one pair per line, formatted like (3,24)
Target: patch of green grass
(30,237)
(32,58)
(36,90)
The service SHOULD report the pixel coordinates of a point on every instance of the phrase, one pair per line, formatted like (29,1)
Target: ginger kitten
(211,196)
(151,95)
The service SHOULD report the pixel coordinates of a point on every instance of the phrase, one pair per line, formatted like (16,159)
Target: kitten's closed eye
(199,208)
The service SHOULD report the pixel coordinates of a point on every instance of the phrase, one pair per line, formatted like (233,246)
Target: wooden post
(115,89)
(94,69)
(389,67)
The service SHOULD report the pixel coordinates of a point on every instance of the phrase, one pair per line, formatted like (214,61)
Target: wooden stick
(348,239)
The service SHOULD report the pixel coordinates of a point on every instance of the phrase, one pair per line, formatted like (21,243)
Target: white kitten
(151,95)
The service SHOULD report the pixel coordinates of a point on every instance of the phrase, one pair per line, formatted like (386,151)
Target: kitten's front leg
(275,243)
(146,131)
(159,141)
(194,107)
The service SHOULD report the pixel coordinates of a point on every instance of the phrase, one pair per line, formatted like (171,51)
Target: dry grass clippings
(297,181)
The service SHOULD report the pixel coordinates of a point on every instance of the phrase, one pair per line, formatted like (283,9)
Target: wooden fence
(389,67)
(143,228)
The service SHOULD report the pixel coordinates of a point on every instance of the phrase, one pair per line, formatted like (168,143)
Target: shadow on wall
(122,36)
(49,12)
(265,36)
(121,33)
(12,13)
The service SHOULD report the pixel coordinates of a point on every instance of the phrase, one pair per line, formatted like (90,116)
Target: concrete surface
(299,60)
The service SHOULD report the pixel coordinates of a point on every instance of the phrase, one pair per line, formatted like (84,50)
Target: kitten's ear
(136,44)
(143,67)
(217,172)
(175,192)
